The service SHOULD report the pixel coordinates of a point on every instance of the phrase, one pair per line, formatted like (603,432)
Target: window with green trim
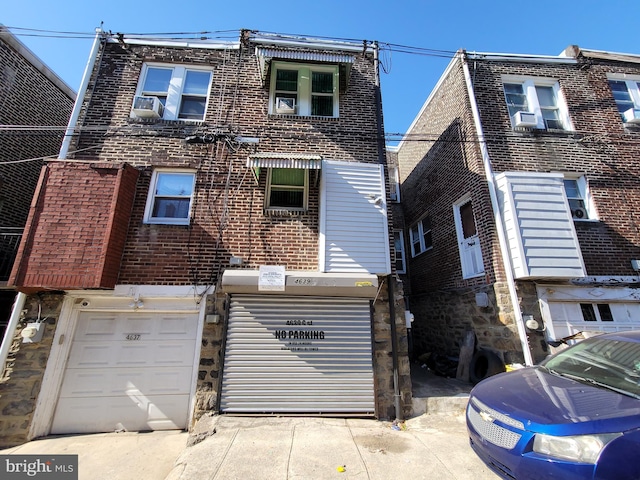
(304,90)
(287,189)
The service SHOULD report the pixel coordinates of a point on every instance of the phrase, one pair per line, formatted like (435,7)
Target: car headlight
(579,448)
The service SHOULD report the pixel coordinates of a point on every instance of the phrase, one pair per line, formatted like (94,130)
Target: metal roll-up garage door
(298,355)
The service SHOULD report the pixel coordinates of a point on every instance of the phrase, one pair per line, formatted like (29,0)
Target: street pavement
(224,447)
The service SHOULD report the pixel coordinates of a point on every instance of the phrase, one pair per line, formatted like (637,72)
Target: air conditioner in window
(148,107)
(579,213)
(525,119)
(285,105)
(632,115)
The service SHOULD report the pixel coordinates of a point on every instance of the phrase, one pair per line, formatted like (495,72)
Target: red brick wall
(27,97)
(599,148)
(228,216)
(440,162)
(77,227)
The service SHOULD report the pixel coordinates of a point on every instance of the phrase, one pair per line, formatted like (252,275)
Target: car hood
(546,402)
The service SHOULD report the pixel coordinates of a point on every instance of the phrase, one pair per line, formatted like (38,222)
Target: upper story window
(170,197)
(287,189)
(536,103)
(305,90)
(172,92)
(420,237)
(580,203)
(398,238)
(394,183)
(627,96)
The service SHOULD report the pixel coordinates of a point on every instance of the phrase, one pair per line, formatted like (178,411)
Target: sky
(436,28)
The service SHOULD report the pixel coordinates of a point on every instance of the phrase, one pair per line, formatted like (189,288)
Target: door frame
(183,302)
(466,267)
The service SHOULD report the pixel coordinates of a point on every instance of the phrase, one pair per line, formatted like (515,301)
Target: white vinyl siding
(354,233)
(298,355)
(538,225)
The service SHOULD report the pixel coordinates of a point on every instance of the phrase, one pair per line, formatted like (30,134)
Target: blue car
(574,416)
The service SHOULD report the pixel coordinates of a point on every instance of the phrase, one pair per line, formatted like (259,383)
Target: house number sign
(133,336)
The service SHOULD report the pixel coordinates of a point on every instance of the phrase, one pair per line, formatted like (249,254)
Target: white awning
(285,160)
(265,55)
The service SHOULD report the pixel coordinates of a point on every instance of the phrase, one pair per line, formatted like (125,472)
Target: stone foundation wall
(22,374)
(444,317)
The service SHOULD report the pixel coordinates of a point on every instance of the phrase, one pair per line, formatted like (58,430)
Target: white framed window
(183,92)
(170,197)
(420,237)
(468,238)
(304,90)
(536,103)
(626,93)
(394,183)
(580,201)
(287,189)
(398,239)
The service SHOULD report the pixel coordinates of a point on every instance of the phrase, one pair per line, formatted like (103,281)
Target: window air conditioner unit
(285,105)
(525,119)
(579,213)
(632,115)
(148,107)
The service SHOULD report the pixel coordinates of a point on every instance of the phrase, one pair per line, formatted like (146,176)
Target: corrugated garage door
(128,371)
(298,355)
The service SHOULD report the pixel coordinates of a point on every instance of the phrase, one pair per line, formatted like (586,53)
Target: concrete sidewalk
(296,448)
(113,456)
(277,448)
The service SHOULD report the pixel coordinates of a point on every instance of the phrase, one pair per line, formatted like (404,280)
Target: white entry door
(130,371)
(468,239)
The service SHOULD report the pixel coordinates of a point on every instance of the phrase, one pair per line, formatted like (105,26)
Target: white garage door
(128,371)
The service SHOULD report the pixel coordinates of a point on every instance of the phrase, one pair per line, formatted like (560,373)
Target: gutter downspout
(10,332)
(390,279)
(77,106)
(506,258)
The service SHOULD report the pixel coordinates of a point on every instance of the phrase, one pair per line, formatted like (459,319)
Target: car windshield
(606,362)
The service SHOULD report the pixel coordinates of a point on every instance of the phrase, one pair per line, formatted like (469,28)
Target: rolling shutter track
(298,355)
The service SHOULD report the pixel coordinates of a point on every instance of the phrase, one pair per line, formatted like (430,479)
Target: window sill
(167,224)
(286,116)
(154,121)
(283,212)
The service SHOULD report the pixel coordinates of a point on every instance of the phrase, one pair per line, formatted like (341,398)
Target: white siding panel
(353,222)
(269,365)
(538,225)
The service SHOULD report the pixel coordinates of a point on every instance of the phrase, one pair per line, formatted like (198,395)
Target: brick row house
(213,238)
(35,105)
(524,178)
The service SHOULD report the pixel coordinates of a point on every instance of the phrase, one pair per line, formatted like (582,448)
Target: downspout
(77,106)
(390,279)
(16,312)
(506,258)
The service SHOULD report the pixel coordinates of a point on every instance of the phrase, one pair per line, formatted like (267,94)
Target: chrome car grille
(490,431)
